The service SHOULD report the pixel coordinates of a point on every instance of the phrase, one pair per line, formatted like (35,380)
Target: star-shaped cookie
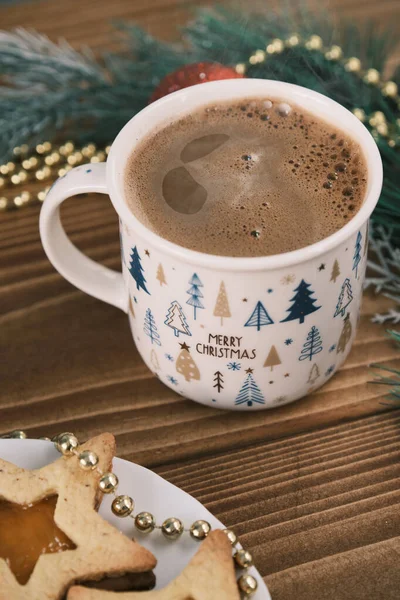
(101,549)
(209,575)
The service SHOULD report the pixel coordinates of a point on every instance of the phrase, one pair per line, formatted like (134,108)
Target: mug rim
(156,114)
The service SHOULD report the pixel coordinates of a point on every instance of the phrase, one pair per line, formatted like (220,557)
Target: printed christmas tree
(272,359)
(185,364)
(259,317)
(176,319)
(161,275)
(312,345)
(345,297)
(345,335)
(195,294)
(136,270)
(222,309)
(357,253)
(303,304)
(218,381)
(314,374)
(150,328)
(154,360)
(249,393)
(335,271)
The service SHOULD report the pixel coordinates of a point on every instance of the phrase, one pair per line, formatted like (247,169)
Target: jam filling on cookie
(26,532)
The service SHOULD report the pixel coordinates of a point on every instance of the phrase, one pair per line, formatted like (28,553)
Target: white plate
(151,493)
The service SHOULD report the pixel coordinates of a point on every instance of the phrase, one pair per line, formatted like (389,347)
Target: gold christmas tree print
(222,309)
(272,359)
(314,374)
(335,271)
(131,310)
(345,335)
(185,364)
(154,360)
(161,275)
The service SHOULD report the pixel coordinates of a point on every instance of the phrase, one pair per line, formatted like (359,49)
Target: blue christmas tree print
(150,328)
(345,297)
(312,345)
(250,393)
(259,317)
(195,294)
(176,319)
(303,304)
(357,253)
(136,270)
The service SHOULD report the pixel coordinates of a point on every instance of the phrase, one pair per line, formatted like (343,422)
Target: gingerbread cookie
(51,535)
(210,575)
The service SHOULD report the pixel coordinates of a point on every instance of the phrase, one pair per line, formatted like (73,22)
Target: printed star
(270,290)
(172,380)
(249,370)
(321,267)
(147,253)
(184,346)
(270,382)
(244,299)
(77,494)
(287,374)
(88,170)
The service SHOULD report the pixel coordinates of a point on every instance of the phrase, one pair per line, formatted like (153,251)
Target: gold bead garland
(46,163)
(123,506)
(351,64)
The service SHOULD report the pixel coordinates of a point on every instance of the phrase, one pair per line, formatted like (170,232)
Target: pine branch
(394,380)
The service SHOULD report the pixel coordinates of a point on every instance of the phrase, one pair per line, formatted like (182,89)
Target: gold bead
(122,506)
(3,203)
(75,158)
(372,76)
(172,528)
(4,169)
(334,53)
(107,149)
(231,535)
(257,57)
(353,65)
(88,460)
(101,156)
(275,47)
(89,150)
(24,149)
(382,129)
(392,144)
(52,159)
(17,151)
(46,439)
(67,149)
(377,118)
(41,196)
(314,43)
(11,167)
(200,530)
(243,558)
(145,522)
(43,148)
(17,201)
(26,196)
(17,434)
(2,182)
(108,483)
(23,176)
(390,89)
(293,40)
(15,179)
(359,113)
(66,443)
(247,585)
(240,68)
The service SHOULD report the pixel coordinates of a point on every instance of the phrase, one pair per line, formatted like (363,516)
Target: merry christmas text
(225,346)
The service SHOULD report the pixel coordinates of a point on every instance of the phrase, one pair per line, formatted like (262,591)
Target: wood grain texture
(312,488)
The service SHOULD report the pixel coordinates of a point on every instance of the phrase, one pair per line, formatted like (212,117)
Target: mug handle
(94,279)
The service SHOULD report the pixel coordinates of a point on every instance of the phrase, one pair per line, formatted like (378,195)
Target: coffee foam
(249,178)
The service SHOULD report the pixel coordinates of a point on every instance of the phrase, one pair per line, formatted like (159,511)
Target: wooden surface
(312,488)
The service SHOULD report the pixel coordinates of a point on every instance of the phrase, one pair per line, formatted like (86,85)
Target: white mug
(234,333)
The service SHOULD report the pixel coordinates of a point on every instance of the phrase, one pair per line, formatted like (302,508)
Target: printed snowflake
(330,370)
(172,380)
(288,341)
(288,279)
(234,366)
(270,290)
(169,357)
(332,348)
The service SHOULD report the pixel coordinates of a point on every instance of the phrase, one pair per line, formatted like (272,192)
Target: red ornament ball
(192,75)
